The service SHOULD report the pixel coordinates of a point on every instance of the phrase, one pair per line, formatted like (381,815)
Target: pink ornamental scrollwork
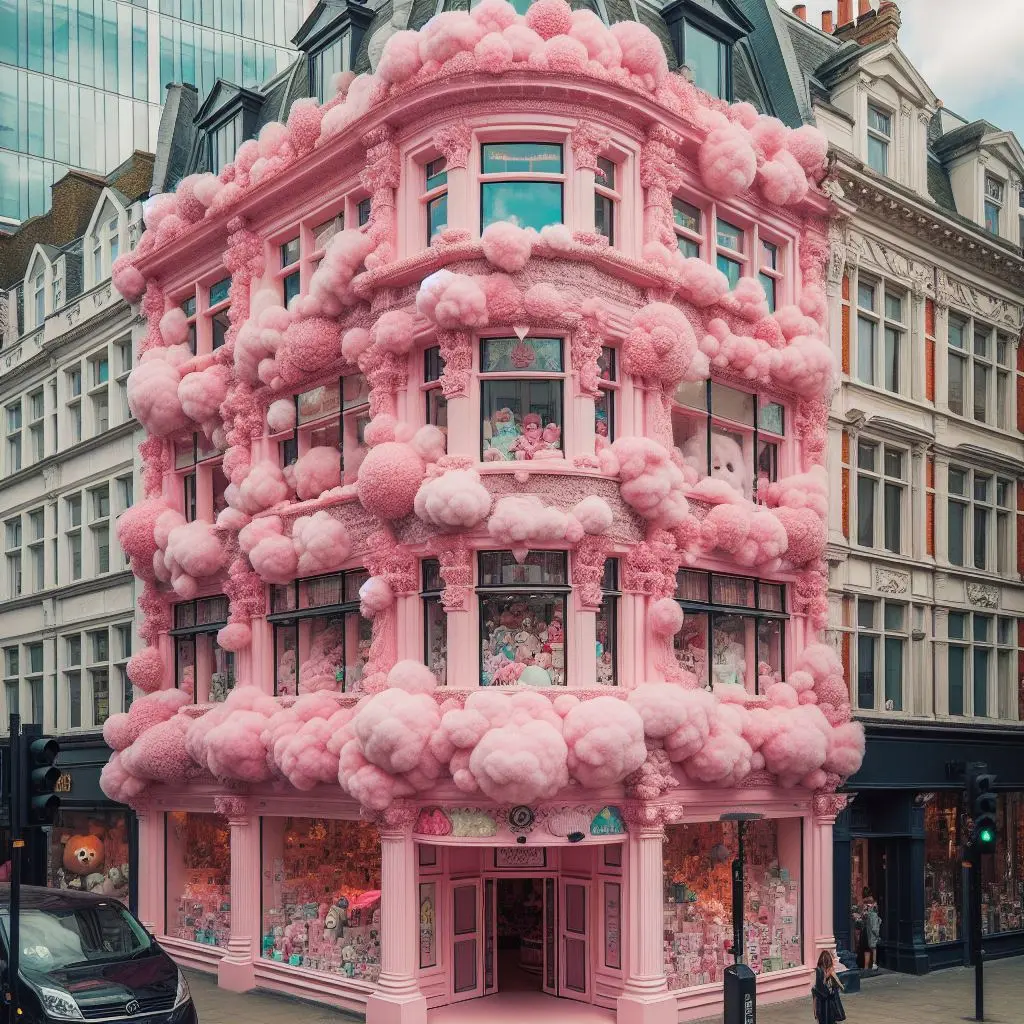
(457,353)
(234,808)
(398,817)
(586,351)
(456,568)
(454,140)
(588,142)
(828,805)
(588,569)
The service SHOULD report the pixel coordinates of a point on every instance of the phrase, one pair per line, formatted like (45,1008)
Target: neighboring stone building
(67,472)
(466,638)
(926,298)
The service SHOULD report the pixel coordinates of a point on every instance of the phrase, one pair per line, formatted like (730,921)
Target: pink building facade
(482,537)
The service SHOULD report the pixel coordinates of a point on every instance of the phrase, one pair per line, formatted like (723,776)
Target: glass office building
(82,81)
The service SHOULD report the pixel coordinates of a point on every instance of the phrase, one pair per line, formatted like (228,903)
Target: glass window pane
(893,674)
(605,173)
(729,236)
(865,295)
(894,307)
(981,516)
(219,291)
(957,626)
(686,215)
(769,285)
(866,614)
(957,666)
(894,463)
(522,157)
(982,628)
(529,204)
(892,359)
(893,516)
(865,511)
(878,155)
(732,269)
(866,455)
(521,419)
(957,521)
(958,481)
(866,350)
(705,59)
(981,663)
(866,671)
(895,616)
(530,355)
(437,216)
(437,173)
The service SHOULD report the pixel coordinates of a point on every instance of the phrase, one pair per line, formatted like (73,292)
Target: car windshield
(53,939)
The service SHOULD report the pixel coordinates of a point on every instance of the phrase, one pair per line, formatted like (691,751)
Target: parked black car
(86,957)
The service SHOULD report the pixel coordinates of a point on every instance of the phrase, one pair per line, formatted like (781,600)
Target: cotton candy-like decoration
(797,744)
(594,515)
(394,332)
(117,784)
(135,530)
(809,145)
(602,47)
(519,520)
(159,754)
(316,471)
(681,719)
(412,676)
(521,763)
(375,595)
(605,738)
(281,415)
(642,53)
(456,499)
(727,161)
(263,487)
(235,636)
(174,326)
(661,346)
(526,44)
(452,300)
(153,395)
(308,345)
(846,745)
(401,58)
(429,443)
(506,245)
(388,479)
(651,482)
(202,393)
(127,279)
(274,559)
(394,728)
(494,54)
(321,542)
(234,749)
(782,180)
(195,548)
(146,669)
(448,34)
(665,617)
(701,283)
(493,15)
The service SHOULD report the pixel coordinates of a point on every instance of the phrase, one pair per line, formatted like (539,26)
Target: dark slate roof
(746,85)
(281,92)
(939,186)
(74,279)
(966,136)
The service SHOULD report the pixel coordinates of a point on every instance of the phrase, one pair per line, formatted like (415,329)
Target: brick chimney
(827,22)
(800,11)
(863,7)
(871,26)
(845,13)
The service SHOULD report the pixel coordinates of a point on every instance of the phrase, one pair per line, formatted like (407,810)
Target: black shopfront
(901,837)
(93,845)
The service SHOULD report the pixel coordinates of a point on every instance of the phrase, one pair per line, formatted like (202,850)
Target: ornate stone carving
(454,141)
(588,139)
(892,261)
(828,805)
(399,817)
(951,291)
(641,814)
(233,808)
(456,567)
(891,581)
(457,352)
(982,595)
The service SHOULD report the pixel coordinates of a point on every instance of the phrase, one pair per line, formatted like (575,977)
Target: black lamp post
(740,982)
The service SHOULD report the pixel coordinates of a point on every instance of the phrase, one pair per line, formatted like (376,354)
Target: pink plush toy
(532,438)
(552,435)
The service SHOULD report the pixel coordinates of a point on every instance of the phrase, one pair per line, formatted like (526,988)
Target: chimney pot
(827,22)
(845,13)
(863,7)
(800,10)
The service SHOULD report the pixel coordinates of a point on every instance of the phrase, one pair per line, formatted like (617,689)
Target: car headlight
(58,1003)
(182,994)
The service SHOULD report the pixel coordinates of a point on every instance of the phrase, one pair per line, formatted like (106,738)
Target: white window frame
(998,504)
(37,547)
(873,621)
(99,525)
(998,362)
(970,643)
(883,325)
(611,193)
(881,480)
(994,197)
(14,455)
(13,540)
(37,425)
(883,138)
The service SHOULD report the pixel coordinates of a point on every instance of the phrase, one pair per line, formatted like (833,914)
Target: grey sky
(971,52)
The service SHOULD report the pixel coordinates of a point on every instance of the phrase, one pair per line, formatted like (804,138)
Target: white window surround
(977,676)
(883,471)
(980,372)
(883,635)
(105,238)
(880,355)
(84,665)
(38,290)
(980,512)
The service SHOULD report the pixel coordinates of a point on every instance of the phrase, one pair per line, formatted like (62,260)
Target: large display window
(697,908)
(943,875)
(321,895)
(201,667)
(1002,875)
(522,618)
(89,851)
(321,642)
(198,871)
(734,630)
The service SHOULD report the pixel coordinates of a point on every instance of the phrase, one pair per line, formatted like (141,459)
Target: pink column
(152,898)
(398,999)
(235,971)
(818,888)
(645,996)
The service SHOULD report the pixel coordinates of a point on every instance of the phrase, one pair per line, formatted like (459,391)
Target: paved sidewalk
(945,997)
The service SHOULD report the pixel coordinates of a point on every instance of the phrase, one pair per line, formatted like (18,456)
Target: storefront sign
(520,857)
(63,784)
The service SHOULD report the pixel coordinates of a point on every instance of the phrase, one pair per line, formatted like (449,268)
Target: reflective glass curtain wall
(82,81)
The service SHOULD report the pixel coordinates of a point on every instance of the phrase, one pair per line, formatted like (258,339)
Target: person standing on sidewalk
(828,1006)
(872,933)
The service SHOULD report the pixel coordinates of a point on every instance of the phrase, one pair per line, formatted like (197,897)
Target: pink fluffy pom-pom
(727,161)
(506,245)
(174,326)
(455,499)
(605,738)
(642,52)
(549,18)
(127,279)
(393,332)
(412,676)
(665,617)
(493,54)
(146,669)
(375,595)
(235,636)
(281,415)
(401,58)
(317,471)
(388,479)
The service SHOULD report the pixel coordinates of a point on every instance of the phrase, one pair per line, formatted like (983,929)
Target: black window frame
(611,592)
(289,618)
(431,592)
(711,608)
(190,632)
(483,591)
(725,23)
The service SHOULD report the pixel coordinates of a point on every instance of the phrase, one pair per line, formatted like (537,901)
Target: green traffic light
(986,836)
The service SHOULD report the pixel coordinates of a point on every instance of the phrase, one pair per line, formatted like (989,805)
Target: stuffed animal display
(520,648)
(728,460)
(508,438)
(93,860)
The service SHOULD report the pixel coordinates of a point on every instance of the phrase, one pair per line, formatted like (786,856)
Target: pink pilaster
(645,996)
(820,881)
(150,879)
(235,971)
(398,999)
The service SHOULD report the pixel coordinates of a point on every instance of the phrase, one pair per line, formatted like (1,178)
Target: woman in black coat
(828,1006)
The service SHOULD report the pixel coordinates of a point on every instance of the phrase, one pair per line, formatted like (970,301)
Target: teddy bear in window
(730,664)
(727,461)
(504,434)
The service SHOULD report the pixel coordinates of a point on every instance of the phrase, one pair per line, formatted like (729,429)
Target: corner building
(482,538)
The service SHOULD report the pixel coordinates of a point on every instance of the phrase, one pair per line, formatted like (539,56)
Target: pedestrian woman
(828,1006)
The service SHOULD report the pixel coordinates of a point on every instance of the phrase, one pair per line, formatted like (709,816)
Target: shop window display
(321,895)
(89,851)
(604,405)
(435,621)
(522,618)
(943,876)
(198,872)
(729,435)
(698,899)
(1002,875)
(201,667)
(734,630)
(321,642)
(608,625)
(521,398)
(437,404)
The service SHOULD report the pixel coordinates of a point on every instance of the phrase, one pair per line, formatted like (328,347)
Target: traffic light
(981,800)
(37,800)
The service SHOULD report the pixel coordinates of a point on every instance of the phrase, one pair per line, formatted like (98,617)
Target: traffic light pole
(976,937)
(17,845)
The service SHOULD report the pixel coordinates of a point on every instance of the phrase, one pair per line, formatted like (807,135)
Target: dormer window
(224,143)
(703,36)
(39,297)
(708,59)
(994,192)
(325,63)
(879,138)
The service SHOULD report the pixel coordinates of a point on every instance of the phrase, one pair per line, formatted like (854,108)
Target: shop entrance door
(574,975)
(467,940)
